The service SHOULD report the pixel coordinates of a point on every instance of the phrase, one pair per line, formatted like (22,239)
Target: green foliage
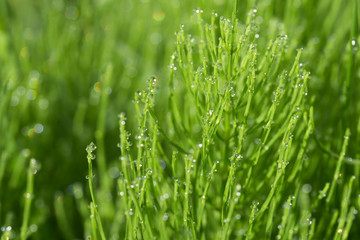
(249,131)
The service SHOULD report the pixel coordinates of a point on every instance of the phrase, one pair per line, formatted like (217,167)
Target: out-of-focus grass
(57,96)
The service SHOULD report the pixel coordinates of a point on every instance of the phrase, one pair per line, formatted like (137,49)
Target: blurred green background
(53,55)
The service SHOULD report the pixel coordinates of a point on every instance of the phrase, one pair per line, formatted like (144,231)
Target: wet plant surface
(244,124)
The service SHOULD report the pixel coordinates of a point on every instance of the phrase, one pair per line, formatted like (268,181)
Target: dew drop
(33,228)
(38,128)
(306,188)
(35,166)
(91,147)
(166,217)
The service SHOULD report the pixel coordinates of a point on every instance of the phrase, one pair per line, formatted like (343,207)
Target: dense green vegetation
(244,124)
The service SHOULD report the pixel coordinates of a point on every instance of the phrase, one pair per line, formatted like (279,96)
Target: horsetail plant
(251,131)
(245,112)
(32,170)
(95,216)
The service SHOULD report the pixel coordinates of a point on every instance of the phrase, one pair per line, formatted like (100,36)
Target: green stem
(90,148)
(32,170)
